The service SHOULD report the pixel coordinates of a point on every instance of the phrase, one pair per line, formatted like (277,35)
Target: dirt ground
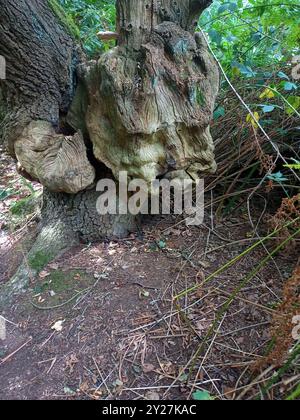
(102,321)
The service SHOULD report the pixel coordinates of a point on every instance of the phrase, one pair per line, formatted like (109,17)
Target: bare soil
(102,322)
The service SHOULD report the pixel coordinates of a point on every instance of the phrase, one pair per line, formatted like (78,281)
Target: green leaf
(230,6)
(294,101)
(282,75)
(162,244)
(5,193)
(219,112)
(184,377)
(288,86)
(267,108)
(245,70)
(295,165)
(202,396)
(215,36)
(69,391)
(277,177)
(282,131)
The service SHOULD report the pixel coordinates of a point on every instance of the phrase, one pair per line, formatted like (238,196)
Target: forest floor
(101,322)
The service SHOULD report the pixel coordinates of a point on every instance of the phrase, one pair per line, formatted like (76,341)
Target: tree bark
(41,59)
(156,92)
(144,107)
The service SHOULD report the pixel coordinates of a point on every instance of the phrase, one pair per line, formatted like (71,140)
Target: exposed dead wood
(58,162)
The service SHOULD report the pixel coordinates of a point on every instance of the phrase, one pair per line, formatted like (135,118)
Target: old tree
(144,107)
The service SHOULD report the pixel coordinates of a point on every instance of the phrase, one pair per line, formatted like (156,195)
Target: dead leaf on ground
(84,387)
(58,326)
(54,266)
(44,274)
(147,368)
(152,396)
(71,363)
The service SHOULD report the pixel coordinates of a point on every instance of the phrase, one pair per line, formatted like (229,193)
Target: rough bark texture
(150,99)
(41,59)
(59,162)
(78,214)
(144,107)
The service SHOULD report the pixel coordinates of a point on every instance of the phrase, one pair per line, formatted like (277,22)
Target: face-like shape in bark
(145,107)
(152,97)
(151,110)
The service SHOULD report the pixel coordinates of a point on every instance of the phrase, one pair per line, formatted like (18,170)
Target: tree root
(51,242)
(66,220)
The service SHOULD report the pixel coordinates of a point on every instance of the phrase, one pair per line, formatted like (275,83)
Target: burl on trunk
(144,107)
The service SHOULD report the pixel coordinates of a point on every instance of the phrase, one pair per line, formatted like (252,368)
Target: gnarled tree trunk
(144,107)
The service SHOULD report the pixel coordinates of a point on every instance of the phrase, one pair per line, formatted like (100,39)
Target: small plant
(24,206)
(295,165)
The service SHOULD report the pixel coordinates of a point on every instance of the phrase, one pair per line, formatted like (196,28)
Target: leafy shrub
(91,16)
(253,34)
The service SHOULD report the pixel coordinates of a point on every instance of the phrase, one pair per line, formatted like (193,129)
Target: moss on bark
(64,19)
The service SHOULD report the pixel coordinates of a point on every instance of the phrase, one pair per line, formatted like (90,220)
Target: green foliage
(6,193)
(24,206)
(295,165)
(255,41)
(295,394)
(91,16)
(253,34)
(246,34)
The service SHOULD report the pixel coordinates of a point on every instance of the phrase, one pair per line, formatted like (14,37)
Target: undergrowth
(257,135)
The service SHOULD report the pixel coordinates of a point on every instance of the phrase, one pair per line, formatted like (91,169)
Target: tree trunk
(66,220)
(157,89)
(144,108)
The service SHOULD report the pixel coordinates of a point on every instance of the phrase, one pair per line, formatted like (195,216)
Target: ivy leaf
(294,101)
(267,108)
(215,36)
(282,75)
(245,70)
(288,86)
(267,93)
